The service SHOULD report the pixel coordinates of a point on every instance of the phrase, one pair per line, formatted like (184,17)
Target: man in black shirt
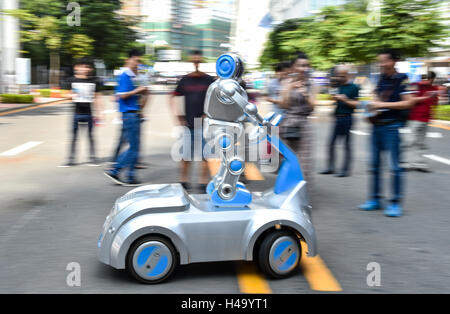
(346,102)
(193,87)
(85,91)
(393,95)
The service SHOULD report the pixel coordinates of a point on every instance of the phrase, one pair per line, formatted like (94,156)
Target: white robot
(152,229)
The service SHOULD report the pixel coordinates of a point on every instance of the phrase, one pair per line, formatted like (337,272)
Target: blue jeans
(86,118)
(132,130)
(120,144)
(386,138)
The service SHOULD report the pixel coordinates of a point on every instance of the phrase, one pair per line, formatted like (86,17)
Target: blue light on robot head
(225,66)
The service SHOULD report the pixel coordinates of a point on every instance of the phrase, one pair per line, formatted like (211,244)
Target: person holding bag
(298,99)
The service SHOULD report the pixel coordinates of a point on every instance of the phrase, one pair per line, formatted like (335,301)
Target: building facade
(213,29)
(282,10)
(9,45)
(184,25)
(248,36)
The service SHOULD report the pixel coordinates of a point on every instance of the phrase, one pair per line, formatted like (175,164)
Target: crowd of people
(396,103)
(292,93)
(132,95)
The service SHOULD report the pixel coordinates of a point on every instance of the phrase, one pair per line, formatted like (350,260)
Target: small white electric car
(152,229)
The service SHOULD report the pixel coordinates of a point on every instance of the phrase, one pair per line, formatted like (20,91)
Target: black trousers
(86,118)
(342,127)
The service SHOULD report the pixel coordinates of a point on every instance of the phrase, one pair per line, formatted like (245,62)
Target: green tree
(45,30)
(80,45)
(113,34)
(342,34)
(47,38)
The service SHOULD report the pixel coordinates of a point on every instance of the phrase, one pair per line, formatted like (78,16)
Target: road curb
(444,122)
(6,110)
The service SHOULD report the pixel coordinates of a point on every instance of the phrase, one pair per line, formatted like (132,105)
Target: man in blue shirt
(391,100)
(129,105)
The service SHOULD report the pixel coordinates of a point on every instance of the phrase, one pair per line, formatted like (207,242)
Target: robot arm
(230,90)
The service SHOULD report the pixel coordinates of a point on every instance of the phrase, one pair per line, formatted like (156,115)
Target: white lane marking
(19,149)
(434,135)
(402,131)
(438,159)
(359,132)
(429,134)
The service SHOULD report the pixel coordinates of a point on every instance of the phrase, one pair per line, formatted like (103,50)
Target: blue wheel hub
(284,255)
(152,260)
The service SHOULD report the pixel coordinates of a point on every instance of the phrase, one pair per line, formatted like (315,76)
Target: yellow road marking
(314,269)
(440,126)
(34,107)
(250,280)
(317,273)
(251,171)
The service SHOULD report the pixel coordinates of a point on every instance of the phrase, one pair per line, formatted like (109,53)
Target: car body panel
(200,231)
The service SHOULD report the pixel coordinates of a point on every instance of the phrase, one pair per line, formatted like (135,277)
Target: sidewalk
(38,101)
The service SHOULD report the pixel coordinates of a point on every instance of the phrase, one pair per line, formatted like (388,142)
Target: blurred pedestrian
(427,98)
(392,97)
(346,102)
(130,106)
(141,80)
(276,85)
(298,100)
(193,87)
(85,91)
(447,88)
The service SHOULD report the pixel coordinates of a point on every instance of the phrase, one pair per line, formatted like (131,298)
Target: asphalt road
(50,216)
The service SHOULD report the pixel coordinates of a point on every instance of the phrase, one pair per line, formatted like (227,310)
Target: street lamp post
(10,43)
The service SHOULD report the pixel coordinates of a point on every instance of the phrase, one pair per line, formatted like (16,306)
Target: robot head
(229,66)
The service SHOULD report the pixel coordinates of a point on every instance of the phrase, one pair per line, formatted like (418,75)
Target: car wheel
(279,254)
(151,259)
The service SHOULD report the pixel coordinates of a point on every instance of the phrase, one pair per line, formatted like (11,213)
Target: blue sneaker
(370,205)
(394,210)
